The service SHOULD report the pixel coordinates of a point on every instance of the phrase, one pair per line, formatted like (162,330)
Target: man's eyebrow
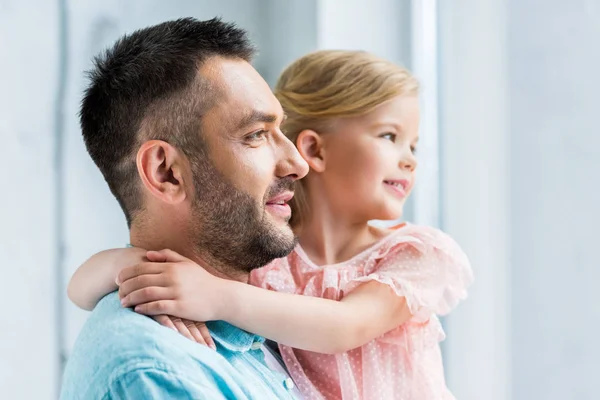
(256,116)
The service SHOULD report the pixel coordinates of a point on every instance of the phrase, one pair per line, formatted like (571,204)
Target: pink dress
(422,264)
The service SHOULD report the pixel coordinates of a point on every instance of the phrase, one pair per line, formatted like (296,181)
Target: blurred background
(508,160)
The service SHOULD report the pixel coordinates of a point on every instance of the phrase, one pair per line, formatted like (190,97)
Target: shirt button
(256,346)
(289,384)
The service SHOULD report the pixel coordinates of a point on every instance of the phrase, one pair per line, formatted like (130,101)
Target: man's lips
(278,206)
(280,198)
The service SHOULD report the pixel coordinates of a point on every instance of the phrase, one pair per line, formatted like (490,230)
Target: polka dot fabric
(422,264)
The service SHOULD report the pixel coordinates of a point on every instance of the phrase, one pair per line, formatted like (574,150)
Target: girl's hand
(170,284)
(195,331)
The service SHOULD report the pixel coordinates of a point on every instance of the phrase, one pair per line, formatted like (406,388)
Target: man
(186,134)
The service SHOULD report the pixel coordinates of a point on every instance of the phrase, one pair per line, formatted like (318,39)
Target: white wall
(475,157)
(28,90)
(289,31)
(520,163)
(555,169)
(378,26)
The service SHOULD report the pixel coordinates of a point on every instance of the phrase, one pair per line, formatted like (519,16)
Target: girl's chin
(391,215)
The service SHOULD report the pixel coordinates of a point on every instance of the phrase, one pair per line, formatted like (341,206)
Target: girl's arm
(316,324)
(178,286)
(95,278)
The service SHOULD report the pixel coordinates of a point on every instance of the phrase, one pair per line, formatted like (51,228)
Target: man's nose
(292,164)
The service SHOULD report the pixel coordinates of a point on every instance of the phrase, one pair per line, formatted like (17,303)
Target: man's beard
(232,228)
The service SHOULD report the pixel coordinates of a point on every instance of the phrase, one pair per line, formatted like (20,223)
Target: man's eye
(258,135)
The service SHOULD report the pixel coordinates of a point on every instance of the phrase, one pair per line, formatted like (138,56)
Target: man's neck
(203,258)
(178,244)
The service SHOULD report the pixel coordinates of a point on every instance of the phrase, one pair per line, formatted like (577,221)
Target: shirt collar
(232,337)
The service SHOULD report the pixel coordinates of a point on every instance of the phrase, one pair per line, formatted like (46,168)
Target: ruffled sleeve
(425,266)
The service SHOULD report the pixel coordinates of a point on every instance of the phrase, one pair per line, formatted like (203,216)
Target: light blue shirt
(123,355)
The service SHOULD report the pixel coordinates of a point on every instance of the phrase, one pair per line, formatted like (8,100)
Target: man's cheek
(258,170)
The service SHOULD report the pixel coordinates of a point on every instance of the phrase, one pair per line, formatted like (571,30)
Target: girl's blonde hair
(325,85)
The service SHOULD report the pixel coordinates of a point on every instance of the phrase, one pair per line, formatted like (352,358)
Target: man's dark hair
(147,87)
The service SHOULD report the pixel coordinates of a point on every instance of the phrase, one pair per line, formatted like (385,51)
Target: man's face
(240,209)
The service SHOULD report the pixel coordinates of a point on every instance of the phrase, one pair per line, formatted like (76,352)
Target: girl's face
(369,161)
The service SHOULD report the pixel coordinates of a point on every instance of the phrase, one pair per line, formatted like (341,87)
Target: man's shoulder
(116,342)
(112,331)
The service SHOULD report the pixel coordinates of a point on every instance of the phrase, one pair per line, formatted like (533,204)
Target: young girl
(367,326)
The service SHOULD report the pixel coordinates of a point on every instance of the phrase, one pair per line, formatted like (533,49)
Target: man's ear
(162,169)
(310,147)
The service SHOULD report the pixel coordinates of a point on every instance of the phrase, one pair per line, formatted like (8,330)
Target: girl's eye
(389,136)
(413,149)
